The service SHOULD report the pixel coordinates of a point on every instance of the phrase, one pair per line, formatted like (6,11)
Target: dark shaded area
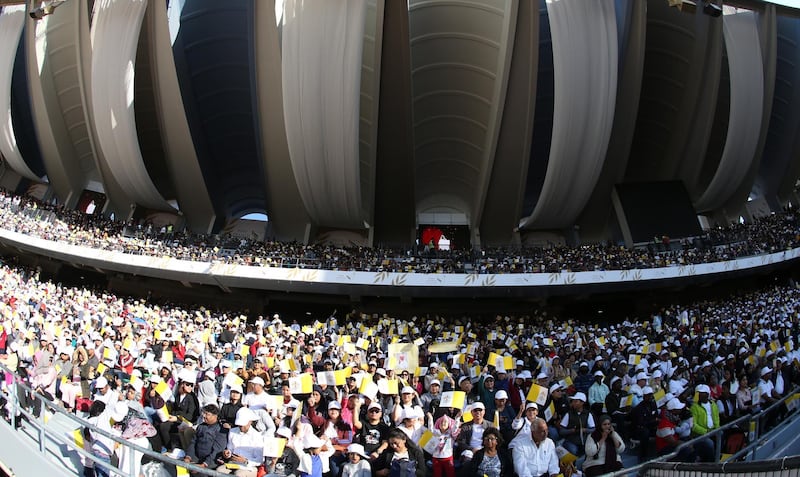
(655,209)
(214,59)
(22,116)
(719,130)
(543,117)
(148,127)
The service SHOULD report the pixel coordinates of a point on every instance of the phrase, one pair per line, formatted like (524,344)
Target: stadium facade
(513,120)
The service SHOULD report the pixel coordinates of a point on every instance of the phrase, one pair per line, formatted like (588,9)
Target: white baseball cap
(674,404)
(245,416)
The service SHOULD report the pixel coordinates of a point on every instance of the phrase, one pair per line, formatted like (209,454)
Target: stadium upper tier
(91,240)
(509,118)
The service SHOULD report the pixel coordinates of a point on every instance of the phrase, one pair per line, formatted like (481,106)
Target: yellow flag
(388,387)
(453,399)
(538,394)
(163,390)
(302,384)
(273,446)
(77,437)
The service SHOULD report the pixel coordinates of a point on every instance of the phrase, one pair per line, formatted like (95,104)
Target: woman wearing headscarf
(603,449)
(403,454)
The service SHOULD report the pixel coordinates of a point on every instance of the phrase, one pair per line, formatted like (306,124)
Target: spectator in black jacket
(185,411)
(208,440)
(227,415)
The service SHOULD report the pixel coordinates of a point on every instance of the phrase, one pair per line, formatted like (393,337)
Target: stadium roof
(368,115)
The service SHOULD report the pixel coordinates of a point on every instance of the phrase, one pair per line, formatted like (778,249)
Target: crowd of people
(374,395)
(362,395)
(773,233)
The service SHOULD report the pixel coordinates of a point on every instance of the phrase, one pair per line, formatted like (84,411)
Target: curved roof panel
(115,35)
(322,44)
(22,114)
(746,107)
(781,147)
(213,51)
(460,56)
(12,20)
(585,50)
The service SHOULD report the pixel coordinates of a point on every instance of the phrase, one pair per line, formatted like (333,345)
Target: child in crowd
(445,431)
(357,465)
(310,461)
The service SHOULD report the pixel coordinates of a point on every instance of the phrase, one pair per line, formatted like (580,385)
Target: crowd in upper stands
(773,233)
(375,395)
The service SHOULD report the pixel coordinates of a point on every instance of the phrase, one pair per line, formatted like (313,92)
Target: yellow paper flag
(388,387)
(302,384)
(163,390)
(537,394)
(273,446)
(77,437)
(453,399)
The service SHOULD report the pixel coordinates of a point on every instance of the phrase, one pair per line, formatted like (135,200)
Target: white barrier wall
(259,277)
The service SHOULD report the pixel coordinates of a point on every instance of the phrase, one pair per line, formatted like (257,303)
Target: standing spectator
(597,394)
(504,414)
(445,430)
(471,435)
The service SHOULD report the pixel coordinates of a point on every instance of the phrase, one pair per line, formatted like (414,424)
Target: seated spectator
(208,440)
(401,458)
(536,456)
(491,460)
(603,449)
(245,449)
(576,425)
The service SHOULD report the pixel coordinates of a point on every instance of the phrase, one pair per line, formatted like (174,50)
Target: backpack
(403,468)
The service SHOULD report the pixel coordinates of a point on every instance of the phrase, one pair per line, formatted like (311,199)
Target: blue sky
(788,3)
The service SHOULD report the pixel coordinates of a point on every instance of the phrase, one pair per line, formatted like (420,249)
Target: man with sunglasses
(373,433)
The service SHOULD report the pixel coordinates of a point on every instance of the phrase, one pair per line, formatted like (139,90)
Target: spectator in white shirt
(536,456)
(245,447)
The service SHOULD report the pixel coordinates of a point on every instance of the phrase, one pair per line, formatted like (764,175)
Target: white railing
(751,424)
(44,433)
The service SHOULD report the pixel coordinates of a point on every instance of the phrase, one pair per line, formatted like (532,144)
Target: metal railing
(750,424)
(43,433)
